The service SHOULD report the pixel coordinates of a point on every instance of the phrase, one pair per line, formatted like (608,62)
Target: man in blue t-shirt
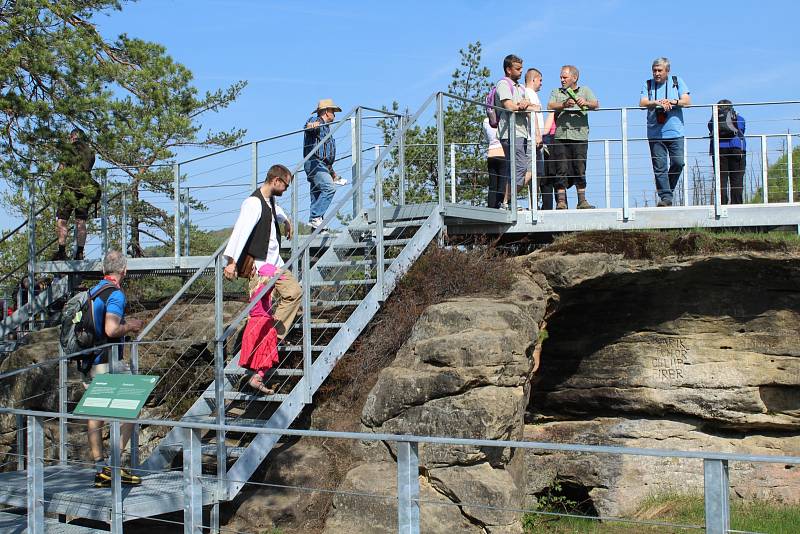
(664,96)
(110,326)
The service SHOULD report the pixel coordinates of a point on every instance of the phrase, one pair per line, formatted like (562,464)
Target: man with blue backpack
(104,306)
(664,96)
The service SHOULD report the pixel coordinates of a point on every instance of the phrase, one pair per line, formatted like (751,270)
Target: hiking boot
(584,205)
(102,479)
(562,205)
(663,203)
(59,255)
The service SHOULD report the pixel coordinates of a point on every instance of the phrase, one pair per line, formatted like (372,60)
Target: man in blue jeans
(664,96)
(319,167)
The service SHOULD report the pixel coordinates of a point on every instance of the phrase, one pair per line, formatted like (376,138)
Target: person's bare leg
(80,239)
(62,229)
(95,435)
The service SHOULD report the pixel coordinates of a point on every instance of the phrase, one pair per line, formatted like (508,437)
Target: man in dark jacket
(732,152)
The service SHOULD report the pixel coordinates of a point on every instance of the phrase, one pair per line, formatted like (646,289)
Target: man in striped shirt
(319,167)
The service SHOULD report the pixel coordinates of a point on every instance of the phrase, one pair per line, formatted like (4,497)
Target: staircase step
(236,396)
(239,371)
(328,283)
(327,304)
(388,224)
(396,242)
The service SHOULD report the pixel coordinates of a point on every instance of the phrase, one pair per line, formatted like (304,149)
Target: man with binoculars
(664,96)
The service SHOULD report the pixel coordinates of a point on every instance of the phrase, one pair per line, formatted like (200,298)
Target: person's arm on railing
(115,326)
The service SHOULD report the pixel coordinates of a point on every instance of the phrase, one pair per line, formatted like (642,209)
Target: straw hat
(327,103)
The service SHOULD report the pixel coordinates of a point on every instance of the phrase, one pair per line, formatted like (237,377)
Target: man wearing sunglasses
(256,240)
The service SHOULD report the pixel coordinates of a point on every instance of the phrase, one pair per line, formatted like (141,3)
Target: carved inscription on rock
(672,355)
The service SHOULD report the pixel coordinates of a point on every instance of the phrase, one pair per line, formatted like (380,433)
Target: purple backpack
(491,112)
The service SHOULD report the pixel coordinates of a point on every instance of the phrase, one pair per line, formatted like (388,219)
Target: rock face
(463,373)
(698,354)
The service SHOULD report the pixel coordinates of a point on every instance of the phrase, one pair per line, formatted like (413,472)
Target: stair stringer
(290,408)
(54,291)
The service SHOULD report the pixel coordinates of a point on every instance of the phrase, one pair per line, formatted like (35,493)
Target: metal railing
(407,497)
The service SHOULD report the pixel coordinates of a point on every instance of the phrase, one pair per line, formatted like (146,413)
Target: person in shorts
(78,191)
(111,326)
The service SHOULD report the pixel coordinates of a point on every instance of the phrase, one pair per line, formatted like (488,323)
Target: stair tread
(239,371)
(326,283)
(236,396)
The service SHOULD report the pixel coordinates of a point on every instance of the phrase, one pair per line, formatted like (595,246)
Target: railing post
(124,229)
(103,212)
(407,488)
(307,363)
(254,165)
(357,162)
(607,161)
(401,195)
(512,162)
(790,167)
(35,476)
(453,173)
(626,211)
(715,481)
(717,170)
(686,171)
(21,440)
(440,165)
(533,186)
(295,216)
(135,430)
(379,249)
(176,170)
(219,380)
(63,432)
(764,170)
(32,249)
(192,471)
(116,519)
(186,225)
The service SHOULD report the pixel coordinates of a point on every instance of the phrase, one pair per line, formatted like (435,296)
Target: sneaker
(561,205)
(340,181)
(58,256)
(503,206)
(584,205)
(315,222)
(102,479)
(663,203)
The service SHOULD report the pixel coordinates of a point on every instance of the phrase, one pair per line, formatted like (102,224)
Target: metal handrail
(22,225)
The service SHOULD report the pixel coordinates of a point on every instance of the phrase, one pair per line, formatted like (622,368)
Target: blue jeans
(322,188)
(668,162)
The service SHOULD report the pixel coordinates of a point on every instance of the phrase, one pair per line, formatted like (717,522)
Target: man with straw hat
(319,167)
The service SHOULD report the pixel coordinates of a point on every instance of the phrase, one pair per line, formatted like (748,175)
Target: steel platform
(18,524)
(70,491)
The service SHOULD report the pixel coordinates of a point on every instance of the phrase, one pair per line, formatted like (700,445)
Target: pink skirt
(259,345)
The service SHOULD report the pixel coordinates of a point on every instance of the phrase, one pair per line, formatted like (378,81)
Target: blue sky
(373,53)
(370,53)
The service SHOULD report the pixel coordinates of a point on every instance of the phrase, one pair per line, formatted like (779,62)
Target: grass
(655,244)
(761,516)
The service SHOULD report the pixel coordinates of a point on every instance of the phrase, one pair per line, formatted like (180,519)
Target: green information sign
(116,395)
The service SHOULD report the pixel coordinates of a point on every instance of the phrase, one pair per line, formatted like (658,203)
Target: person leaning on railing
(732,151)
(510,95)
(664,95)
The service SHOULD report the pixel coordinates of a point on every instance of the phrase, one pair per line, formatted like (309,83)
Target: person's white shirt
(533,96)
(249,215)
(493,146)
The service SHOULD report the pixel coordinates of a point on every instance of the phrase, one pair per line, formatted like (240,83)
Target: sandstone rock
(492,492)
(617,485)
(667,340)
(378,515)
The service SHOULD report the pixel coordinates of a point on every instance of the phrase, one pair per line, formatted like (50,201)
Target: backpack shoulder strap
(649,87)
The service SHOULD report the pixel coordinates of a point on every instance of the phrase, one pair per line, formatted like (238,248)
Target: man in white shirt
(533,84)
(256,240)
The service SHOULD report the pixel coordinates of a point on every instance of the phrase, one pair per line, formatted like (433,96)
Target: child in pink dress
(260,340)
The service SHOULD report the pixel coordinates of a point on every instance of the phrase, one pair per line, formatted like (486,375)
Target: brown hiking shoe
(584,205)
(562,205)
